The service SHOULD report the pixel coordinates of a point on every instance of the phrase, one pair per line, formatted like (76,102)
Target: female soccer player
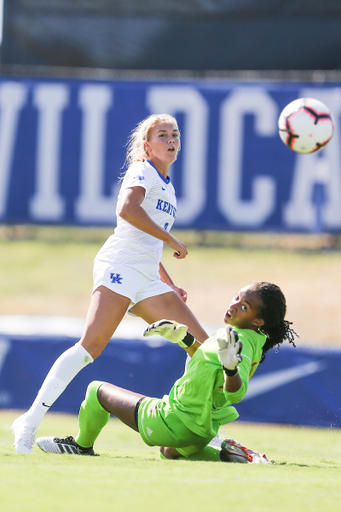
(128,273)
(184,422)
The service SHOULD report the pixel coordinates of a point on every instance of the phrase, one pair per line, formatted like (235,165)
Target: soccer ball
(306,125)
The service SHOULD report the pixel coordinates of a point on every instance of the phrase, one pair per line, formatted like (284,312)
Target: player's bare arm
(166,278)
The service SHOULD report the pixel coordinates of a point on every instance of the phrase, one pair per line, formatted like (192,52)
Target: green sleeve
(251,353)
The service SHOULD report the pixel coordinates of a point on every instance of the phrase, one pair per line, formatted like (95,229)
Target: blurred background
(76,76)
(197,35)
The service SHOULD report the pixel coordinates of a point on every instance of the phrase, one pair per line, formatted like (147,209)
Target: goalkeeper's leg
(229,450)
(101,400)
(207,453)
(120,402)
(92,417)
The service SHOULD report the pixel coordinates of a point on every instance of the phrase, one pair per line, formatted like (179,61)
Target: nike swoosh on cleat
(44,404)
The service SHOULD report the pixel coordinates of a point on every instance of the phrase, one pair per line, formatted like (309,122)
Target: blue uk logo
(116,278)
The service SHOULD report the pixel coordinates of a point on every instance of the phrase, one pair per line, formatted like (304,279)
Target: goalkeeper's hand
(173,331)
(229,351)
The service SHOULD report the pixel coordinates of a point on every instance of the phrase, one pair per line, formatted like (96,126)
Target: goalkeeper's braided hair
(275,328)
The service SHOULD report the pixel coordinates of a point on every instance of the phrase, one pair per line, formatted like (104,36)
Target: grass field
(48,271)
(129,476)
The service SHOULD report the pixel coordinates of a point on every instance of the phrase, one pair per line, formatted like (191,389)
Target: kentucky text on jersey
(166,207)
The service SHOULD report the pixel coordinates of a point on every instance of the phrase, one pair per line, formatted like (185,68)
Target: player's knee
(93,387)
(95,351)
(169,453)
(94,396)
(95,346)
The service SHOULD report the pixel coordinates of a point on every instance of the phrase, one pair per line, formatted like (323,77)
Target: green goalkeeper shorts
(159,426)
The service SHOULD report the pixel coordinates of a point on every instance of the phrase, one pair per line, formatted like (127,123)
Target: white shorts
(127,281)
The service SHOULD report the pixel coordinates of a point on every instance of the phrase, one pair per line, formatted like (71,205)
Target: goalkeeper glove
(229,351)
(174,332)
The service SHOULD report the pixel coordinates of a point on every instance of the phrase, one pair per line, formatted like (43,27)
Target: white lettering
(323,167)
(5,346)
(189,101)
(253,212)
(50,100)
(12,99)
(92,205)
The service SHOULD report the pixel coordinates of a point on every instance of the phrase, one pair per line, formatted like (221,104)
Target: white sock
(61,374)
(216,441)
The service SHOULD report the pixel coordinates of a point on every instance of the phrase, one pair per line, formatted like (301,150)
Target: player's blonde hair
(136,151)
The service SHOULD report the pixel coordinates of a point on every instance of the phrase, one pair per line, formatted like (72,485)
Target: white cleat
(24,435)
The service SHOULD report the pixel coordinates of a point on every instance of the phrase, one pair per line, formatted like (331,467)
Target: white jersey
(131,246)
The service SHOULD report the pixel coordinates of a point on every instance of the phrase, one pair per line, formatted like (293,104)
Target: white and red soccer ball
(306,125)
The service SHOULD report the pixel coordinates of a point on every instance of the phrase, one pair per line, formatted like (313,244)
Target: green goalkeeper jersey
(199,399)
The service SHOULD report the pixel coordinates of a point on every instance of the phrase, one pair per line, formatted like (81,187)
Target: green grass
(49,271)
(128,475)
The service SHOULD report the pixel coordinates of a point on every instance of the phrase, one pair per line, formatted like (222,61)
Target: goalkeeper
(184,423)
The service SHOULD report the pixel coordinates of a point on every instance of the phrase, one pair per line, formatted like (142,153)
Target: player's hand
(180,249)
(171,330)
(179,291)
(229,351)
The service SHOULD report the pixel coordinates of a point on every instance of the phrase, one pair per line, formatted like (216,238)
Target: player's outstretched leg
(228,450)
(92,418)
(62,372)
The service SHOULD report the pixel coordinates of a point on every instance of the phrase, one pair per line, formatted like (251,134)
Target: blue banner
(62,148)
(296,386)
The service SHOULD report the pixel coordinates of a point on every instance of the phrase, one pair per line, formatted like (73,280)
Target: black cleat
(62,445)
